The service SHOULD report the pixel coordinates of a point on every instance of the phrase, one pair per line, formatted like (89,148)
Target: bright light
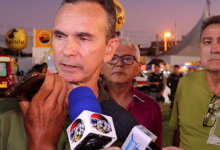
(167,34)
(184,67)
(188,64)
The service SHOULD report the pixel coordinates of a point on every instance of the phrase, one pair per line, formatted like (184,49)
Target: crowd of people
(84,48)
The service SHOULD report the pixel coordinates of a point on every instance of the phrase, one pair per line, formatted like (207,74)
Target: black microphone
(128,130)
(123,120)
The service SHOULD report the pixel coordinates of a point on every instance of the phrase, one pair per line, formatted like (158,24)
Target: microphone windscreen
(80,99)
(122,119)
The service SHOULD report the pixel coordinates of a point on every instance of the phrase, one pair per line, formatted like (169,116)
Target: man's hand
(45,115)
(151,83)
(157,83)
(172,148)
(176,138)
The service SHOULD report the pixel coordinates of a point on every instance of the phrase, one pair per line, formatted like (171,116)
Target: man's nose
(120,62)
(215,48)
(71,48)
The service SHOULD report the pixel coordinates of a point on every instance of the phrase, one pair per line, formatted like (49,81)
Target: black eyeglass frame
(121,57)
(211,105)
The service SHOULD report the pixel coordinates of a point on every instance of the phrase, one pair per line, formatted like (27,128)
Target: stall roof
(188,48)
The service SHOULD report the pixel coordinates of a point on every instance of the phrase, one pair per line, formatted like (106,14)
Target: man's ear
(111,48)
(138,69)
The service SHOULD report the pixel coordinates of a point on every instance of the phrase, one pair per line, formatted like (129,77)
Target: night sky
(144,18)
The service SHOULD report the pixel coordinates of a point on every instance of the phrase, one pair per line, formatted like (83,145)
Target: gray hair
(128,42)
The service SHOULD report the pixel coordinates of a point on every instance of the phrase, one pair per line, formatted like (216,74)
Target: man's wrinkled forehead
(203,35)
(87,15)
(71,9)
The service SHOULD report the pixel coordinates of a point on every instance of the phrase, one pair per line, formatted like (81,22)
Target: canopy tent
(188,49)
(155,61)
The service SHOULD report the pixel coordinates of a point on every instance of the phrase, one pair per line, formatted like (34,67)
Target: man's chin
(213,69)
(119,81)
(70,78)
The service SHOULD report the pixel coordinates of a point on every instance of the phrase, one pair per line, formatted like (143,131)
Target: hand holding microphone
(45,115)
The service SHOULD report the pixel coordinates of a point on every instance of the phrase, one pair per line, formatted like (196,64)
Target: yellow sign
(16,39)
(120,13)
(43,38)
(3,85)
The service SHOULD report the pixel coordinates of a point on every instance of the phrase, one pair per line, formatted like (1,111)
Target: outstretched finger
(44,91)
(62,96)
(57,88)
(23,103)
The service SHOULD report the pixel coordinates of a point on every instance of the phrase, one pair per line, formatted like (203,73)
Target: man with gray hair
(118,74)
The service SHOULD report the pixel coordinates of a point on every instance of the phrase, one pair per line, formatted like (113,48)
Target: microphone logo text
(100,123)
(76,131)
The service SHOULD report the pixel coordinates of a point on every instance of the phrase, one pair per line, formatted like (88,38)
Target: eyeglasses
(210,117)
(126,59)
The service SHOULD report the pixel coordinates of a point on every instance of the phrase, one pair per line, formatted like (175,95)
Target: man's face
(120,73)
(210,47)
(44,70)
(79,41)
(157,69)
(176,70)
(191,70)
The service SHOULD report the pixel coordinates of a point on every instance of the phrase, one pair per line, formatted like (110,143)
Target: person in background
(119,73)
(37,67)
(41,68)
(172,82)
(191,70)
(157,83)
(22,73)
(44,67)
(196,110)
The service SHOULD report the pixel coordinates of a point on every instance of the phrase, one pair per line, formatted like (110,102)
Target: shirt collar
(136,94)
(135,97)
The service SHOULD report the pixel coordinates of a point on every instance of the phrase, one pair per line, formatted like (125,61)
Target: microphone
(128,129)
(89,130)
(140,138)
(123,120)
(80,99)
